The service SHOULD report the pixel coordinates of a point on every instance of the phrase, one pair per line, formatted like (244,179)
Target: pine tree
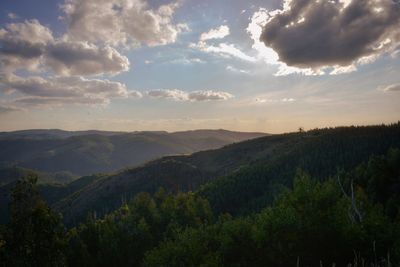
(36,234)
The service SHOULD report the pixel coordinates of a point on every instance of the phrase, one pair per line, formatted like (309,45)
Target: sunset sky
(129,65)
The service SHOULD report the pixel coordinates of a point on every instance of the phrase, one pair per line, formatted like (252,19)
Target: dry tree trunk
(356,212)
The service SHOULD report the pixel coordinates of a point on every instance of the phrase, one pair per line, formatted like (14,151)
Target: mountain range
(239,178)
(87,152)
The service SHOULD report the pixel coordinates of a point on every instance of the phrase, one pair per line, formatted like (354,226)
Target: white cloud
(178,95)
(217,33)
(65,90)
(287,99)
(174,94)
(187,61)
(197,60)
(30,31)
(396,53)
(209,95)
(390,88)
(342,70)
(233,69)
(271,100)
(12,15)
(81,58)
(135,94)
(254,29)
(22,45)
(223,49)
(267,54)
(31,46)
(7,109)
(122,22)
(60,101)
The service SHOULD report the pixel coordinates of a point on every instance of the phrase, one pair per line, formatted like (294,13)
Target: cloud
(12,15)
(31,46)
(314,35)
(288,100)
(390,88)
(60,101)
(22,45)
(196,96)
(268,100)
(28,31)
(233,69)
(174,94)
(135,94)
(81,58)
(64,86)
(224,50)
(65,90)
(221,49)
(121,22)
(217,33)
(187,61)
(342,70)
(7,109)
(267,54)
(208,95)
(395,54)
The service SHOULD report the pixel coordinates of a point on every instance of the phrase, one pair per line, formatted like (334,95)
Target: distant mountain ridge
(92,151)
(51,134)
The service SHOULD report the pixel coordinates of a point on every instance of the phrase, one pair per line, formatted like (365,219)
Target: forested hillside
(348,219)
(238,178)
(12,174)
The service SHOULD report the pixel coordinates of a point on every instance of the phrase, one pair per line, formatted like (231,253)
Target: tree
(2,245)
(36,234)
(122,238)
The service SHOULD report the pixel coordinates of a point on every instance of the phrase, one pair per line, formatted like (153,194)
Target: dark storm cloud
(309,33)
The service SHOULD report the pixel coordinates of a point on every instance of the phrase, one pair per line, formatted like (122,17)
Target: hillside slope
(239,177)
(88,152)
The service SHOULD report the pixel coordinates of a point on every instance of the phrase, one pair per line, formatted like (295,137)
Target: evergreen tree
(36,235)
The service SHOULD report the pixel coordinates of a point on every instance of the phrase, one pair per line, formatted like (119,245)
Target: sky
(262,65)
